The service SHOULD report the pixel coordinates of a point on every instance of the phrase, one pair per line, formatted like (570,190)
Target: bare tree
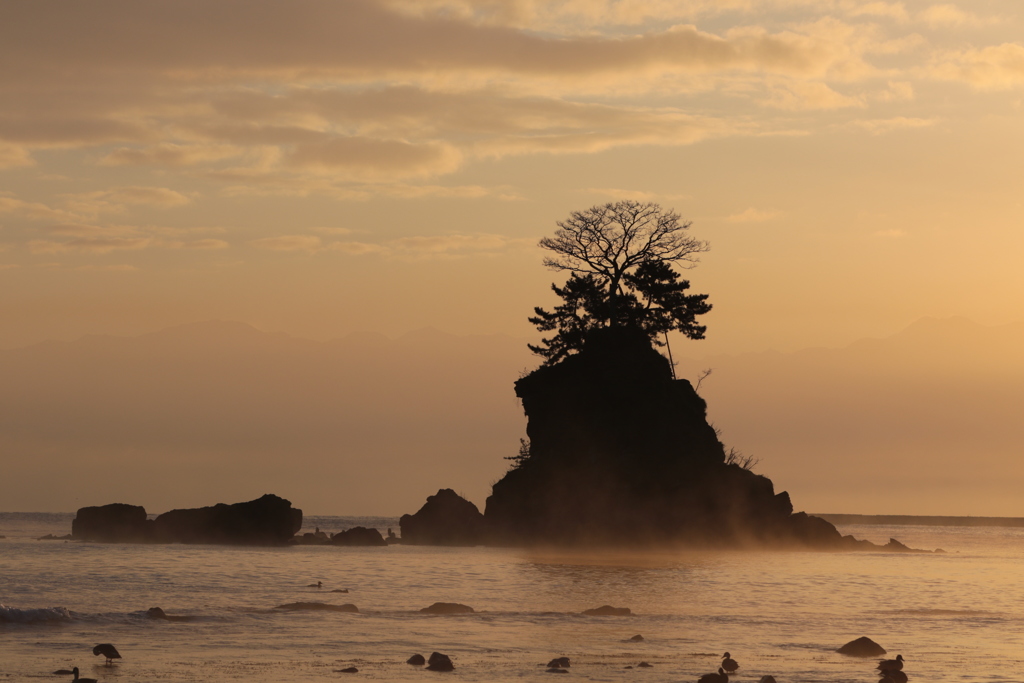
(609,241)
(621,259)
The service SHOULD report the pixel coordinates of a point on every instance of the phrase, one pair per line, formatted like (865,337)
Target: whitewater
(956,616)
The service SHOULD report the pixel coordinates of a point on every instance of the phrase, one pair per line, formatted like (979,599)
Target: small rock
(340,590)
(862,647)
(644,665)
(350,670)
(637,638)
(629,667)
(767,679)
(416,660)
(559,662)
(447,608)
(608,611)
(440,662)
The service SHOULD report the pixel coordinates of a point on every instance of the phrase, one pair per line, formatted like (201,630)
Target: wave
(13,615)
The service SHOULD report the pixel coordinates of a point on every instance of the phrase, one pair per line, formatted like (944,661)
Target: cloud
(881,126)
(89,245)
(170,154)
(947,15)
(752,215)
(34,211)
(357,248)
(415,246)
(803,95)
(366,158)
(308,243)
(116,200)
(996,67)
(202,245)
(891,10)
(116,268)
(14,156)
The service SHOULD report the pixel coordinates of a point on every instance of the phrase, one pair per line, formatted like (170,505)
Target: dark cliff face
(621,453)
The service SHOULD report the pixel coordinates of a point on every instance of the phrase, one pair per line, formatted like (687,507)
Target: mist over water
(781,613)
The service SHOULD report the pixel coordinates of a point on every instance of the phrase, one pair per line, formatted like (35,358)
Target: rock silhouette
(447,608)
(621,453)
(268,520)
(440,662)
(862,647)
(608,611)
(358,535)
(445,519)
(416,660)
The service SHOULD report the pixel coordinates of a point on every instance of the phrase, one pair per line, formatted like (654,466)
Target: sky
(320,168)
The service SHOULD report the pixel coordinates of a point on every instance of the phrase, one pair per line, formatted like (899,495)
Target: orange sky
(323,167)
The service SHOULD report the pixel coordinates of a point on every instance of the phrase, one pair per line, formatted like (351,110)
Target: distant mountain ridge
(924,421)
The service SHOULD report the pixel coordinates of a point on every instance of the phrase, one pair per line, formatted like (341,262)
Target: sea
(954,616)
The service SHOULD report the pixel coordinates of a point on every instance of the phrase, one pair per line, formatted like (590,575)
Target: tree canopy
(620,257)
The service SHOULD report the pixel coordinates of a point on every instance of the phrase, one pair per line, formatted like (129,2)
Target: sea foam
(13,615)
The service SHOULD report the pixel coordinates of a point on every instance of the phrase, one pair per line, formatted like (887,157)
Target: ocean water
(957,616)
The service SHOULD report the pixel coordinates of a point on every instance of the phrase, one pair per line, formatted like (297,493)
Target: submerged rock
(608,611)
(562,662)
(445,519)
(318,607)
(349,670)
(447,608)
(862,647)
(637,638)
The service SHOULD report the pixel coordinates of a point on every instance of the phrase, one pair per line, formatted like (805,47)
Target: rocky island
(268,520)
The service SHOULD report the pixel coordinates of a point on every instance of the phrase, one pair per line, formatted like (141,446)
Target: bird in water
(891,664)
(318,584)
(728,663)
(720,677)
(74,672)
(108,651)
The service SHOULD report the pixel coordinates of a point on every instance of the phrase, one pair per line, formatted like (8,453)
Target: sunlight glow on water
(780,613)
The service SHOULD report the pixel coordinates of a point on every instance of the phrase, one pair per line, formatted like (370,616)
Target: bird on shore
(108,651)
(891,664)
(728,663)
(720,677)
(74,672)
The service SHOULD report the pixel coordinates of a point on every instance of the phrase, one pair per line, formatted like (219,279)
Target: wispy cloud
(752,215)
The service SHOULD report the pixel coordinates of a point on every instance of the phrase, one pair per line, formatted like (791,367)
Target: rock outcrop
(445,519)
(862,647)
(358,535)
(621,453)
(114,523)
(269,520)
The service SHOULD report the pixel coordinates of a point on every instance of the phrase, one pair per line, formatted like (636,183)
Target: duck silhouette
(108,651)
(891,664)
(74,672)
(728,663)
